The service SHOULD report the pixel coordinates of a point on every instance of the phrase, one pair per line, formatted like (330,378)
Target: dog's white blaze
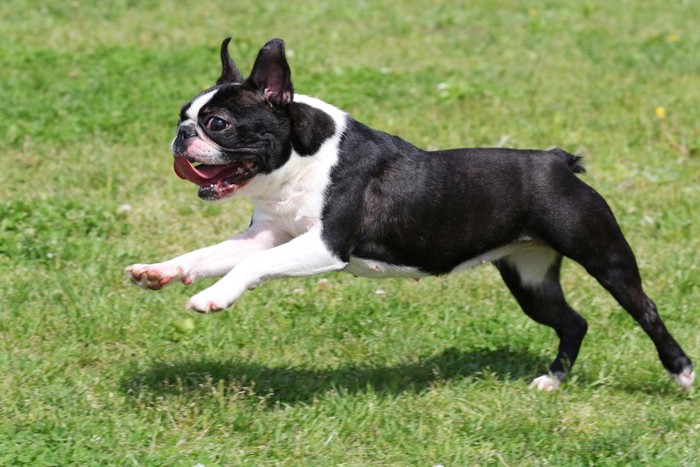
(293,195)
(197,104)
(208,152)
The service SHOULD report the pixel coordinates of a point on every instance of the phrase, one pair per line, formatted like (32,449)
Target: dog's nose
(186,132)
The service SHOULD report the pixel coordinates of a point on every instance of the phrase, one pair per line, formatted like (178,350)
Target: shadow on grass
(291,385)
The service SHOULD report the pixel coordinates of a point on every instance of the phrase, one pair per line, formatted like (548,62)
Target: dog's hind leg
(532,275)
(616,270)
(589,234)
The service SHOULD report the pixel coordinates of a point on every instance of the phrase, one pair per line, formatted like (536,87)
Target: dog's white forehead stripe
(198,103)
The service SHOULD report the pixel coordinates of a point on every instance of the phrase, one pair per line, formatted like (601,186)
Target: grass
(323,372)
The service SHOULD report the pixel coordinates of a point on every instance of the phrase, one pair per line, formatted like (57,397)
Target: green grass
(302,372)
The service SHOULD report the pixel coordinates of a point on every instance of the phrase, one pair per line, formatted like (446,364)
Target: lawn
(334,369)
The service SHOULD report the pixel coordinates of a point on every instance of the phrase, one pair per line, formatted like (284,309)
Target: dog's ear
(229,70)
(271,74)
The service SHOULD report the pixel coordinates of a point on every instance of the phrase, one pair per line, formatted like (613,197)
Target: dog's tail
(574,162)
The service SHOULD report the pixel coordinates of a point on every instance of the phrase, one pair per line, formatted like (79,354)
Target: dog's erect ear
(229,70)
(271,74)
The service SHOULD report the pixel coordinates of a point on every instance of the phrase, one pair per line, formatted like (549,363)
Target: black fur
(392,202)
(310,128)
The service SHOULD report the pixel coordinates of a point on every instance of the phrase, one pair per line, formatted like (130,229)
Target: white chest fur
(293,195)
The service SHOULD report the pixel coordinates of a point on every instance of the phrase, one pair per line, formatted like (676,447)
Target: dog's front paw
(216,298)
(155,276)
(204,302)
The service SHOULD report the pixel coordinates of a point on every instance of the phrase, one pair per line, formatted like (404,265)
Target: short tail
(574,162)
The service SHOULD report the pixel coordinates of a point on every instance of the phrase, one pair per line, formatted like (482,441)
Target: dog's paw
(684,379)
(154,276)
(216,298)
(545,383)
(205,302)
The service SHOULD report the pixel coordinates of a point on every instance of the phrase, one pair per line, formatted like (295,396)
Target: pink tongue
(201,175)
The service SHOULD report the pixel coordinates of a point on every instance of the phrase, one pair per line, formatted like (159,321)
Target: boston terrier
(332,194)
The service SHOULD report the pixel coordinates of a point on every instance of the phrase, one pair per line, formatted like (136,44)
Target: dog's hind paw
(546,383)
(685,378)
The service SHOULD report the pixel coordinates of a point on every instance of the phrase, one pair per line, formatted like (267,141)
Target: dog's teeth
(239,170)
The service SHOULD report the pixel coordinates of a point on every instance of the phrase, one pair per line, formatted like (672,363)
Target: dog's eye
(217,124)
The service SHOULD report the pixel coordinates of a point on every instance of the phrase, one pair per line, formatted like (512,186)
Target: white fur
(532,261)
(304,255)
(197,104)
(212,261)
(294,193)
(545,383)
(207,151)
(684,379)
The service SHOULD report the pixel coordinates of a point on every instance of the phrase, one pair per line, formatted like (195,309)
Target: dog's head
(239,128)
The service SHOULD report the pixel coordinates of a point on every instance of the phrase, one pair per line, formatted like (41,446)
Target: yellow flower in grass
(660,112)
(673,38)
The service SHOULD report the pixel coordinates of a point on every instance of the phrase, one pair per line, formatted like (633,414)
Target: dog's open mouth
(216,181)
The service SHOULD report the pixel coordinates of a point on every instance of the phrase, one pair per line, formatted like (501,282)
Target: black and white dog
(331,194)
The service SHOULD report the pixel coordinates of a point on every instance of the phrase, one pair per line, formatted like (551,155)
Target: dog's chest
(294,195)
(294,198)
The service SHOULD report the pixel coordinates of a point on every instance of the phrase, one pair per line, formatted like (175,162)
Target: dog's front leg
(213,261)
(303,256)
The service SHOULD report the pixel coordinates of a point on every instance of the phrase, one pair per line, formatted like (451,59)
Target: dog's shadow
(295,385)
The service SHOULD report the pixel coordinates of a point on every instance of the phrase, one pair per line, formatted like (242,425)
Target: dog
(331,194)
